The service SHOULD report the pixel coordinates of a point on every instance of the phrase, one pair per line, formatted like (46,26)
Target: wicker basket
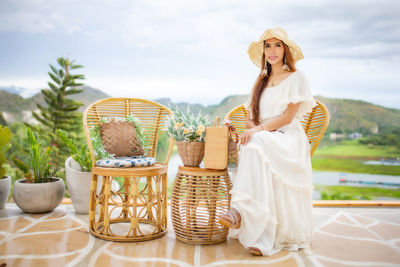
(199,198)
(191,153)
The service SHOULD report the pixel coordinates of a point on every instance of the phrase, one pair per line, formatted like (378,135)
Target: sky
(196,51)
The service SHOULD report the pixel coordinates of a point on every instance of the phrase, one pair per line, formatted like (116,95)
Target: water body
(319,177)
(383,162)
(333,178)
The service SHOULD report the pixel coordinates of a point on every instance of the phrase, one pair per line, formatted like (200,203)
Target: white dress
(272,185)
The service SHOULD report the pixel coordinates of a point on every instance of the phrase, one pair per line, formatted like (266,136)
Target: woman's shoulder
(300,74)
(301,77)
(299,85)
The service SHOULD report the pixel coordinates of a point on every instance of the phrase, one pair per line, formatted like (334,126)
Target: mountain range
(346,115)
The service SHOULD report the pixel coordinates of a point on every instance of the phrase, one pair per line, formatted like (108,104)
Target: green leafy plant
(97,144)
(185,126)
(139,129)
(80,154)
(5,135)
(98,148)
(37,170)
(2,119)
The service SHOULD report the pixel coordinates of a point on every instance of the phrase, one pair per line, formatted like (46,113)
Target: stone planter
(5,184)
(78,185)
(38,197)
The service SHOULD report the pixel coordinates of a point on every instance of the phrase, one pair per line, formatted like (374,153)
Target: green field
(352,148)
(349,155)
(358,192)
(352,166)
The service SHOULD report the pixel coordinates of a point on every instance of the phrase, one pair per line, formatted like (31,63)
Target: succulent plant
(185,126)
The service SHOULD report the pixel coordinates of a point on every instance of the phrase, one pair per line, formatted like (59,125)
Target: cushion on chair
(119,138)
(125,162)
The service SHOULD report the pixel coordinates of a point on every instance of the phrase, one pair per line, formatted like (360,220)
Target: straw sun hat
(256,48)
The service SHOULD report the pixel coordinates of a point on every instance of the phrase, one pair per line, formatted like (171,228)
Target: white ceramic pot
(5,184)
(38,197)
(78,185)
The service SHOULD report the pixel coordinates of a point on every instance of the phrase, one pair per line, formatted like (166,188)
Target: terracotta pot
(5,184)
(38,197)
(191,153)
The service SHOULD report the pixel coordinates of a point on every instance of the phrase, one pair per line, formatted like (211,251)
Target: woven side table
(199,197)
(137,211)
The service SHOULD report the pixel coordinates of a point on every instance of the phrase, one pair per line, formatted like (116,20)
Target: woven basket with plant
(189,131)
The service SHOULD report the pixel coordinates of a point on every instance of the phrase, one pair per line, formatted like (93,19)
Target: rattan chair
(143,197)
(314,124)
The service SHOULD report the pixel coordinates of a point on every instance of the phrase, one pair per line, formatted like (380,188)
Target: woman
(271,204)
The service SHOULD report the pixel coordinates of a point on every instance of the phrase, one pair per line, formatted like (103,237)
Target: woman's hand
(246,136)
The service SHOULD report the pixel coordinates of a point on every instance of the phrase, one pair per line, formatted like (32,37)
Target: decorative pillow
(124,162)
(119,138)
(100,150)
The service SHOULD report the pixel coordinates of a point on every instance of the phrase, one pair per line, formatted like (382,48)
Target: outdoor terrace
(346,233)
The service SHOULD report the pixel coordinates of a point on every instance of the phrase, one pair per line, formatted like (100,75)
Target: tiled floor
(342,237)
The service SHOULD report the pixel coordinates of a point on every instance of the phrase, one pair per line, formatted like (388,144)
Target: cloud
(327,28)
(30,85)
(201,45)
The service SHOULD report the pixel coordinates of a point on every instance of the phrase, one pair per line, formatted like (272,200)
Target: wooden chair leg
(158,195)
(125,206)
(150,197)
(107,195)
(134,195)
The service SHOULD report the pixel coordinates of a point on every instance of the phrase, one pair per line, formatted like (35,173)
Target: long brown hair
(262,80)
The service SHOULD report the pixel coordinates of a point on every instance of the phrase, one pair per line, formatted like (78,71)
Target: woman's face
(274,50)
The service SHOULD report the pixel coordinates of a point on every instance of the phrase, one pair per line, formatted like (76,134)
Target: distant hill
(16,108)
(346,115)
(12,89)
(195,108)
(349,115)
(213,111)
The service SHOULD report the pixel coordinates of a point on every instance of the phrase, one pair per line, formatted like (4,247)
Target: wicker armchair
(315,123)
(143,197)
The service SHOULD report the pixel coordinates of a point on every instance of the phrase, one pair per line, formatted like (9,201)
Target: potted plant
(5,181)
(38,192)
(78,173)
(189,132)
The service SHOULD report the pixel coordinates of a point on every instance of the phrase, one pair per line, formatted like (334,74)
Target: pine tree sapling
(60,112)
(79,154)
(38,169)
(5,135)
